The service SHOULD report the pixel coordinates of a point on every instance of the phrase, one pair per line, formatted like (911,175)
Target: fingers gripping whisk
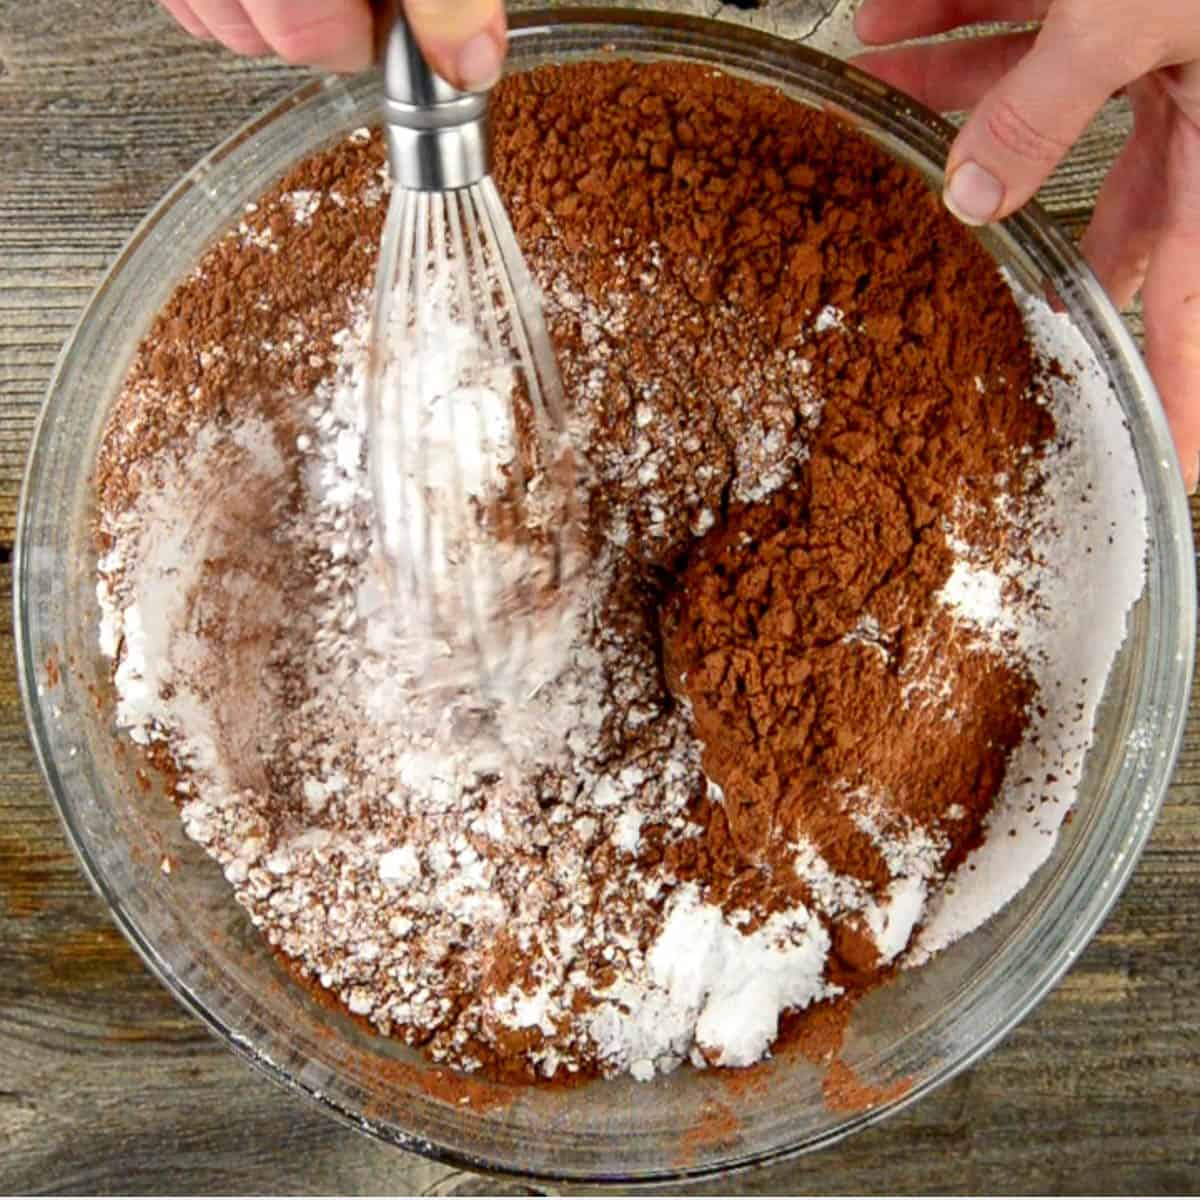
(471,466)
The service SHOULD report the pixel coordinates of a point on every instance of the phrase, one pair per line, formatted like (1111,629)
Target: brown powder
(790,697)
(791,353)
(847,1092)
(718,1125)
(799,628)
(251,332)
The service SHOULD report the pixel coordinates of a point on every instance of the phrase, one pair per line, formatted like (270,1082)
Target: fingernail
(973,194)
(479,63)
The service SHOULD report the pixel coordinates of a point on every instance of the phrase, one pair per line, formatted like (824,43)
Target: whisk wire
(413,587)
(474,577)
(497,275)
(381,414)
(485,312)
(546,391)
(410,400)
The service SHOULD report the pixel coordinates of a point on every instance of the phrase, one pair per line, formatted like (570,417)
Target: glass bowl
(920,1029)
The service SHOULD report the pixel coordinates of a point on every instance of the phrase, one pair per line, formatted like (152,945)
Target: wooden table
(107,1085)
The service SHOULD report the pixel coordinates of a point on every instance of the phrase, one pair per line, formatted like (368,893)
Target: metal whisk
(471,466)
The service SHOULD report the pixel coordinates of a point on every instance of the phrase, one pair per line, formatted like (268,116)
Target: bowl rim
(915,121)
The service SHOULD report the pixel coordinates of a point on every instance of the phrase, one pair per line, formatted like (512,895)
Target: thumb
(464,41)
(1024,126)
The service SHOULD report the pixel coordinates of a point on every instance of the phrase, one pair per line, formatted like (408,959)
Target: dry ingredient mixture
(835,678)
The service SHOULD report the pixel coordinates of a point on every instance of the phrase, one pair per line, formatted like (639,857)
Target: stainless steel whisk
(471,465)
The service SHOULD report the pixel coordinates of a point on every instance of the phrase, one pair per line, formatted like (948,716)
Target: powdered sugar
(712,992)
(732,985)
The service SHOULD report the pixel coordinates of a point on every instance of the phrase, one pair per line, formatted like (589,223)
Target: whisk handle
(437,135)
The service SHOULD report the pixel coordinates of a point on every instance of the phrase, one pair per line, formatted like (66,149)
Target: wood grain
(107,1085)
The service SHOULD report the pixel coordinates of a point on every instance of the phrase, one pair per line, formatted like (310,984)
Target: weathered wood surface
(107,1085)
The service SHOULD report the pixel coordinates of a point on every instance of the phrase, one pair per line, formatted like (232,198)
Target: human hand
(1032,95)
(464,40)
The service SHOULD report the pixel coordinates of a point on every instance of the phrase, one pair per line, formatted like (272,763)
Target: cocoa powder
(251,331)
(767,215)
(797,374)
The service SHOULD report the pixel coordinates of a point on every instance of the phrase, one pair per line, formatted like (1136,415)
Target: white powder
(447,415)
(833,894)
(400,866)
(892,922)
(908,849)
(977,595)
(627,833)
(829,318)
(712,988)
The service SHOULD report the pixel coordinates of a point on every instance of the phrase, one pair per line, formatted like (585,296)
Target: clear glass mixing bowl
(923,1027)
